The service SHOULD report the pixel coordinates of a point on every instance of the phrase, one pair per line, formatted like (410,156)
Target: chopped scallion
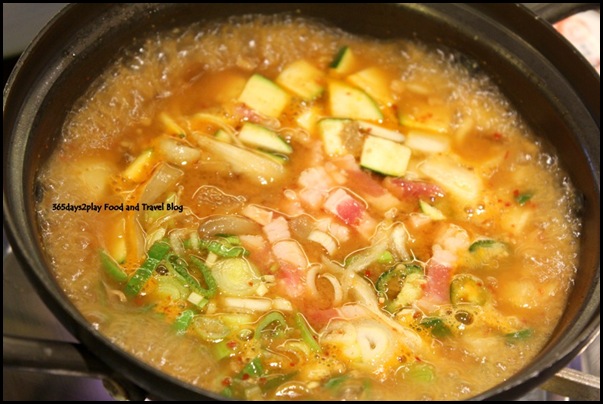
(306,333)
(183,321)
(156,253)
(268,319)
(112,268)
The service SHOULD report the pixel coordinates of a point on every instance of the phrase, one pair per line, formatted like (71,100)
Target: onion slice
(255,167)
(163,179)
(228,224)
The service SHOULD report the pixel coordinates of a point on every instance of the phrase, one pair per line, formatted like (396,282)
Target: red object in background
(583,30)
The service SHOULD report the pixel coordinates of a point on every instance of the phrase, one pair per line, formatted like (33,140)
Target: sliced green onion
(230,239)
(523,198)
(212,288)
(438,328)
(386,258)
(235,277)
(253,368)
(179,267)
(223,250)
(183,321)
(520,335)
(223,349)
(227,392)
(156,253)
(197,300)
(422,372)
(344,385)
(334,382)
(192,241)
(306,333)
(275,381)
(112,268)
(268,319)
(170,287)
(211,328)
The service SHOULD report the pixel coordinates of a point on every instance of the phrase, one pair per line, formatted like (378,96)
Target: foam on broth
(526,204)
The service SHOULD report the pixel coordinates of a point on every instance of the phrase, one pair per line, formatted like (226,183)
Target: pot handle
(66,359)
(555,12)
(574,384)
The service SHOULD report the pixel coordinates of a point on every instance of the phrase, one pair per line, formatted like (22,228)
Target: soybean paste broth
(381,225)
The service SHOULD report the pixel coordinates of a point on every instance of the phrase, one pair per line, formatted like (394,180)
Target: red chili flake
(292,364)
(226,382)
(497,136)
(262,380)
(516,192)
(507,203)
(418,359)
(367,273)
(245,376)
(231,344)
(425,117)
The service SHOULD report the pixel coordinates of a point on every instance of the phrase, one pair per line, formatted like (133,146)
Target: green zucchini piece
(432,118)
(384,156)
(433,213)
(302,79)
(462,182)
(331,131)
(485,250)
(256,135)
(264,96)
(346,101)
(374,82)
(344,61)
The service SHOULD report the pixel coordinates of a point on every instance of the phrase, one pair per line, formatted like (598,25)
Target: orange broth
(339,272)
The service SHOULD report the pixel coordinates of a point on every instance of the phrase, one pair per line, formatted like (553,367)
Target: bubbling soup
(268,208)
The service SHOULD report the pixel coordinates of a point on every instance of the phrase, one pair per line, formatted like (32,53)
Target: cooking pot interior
(84,40)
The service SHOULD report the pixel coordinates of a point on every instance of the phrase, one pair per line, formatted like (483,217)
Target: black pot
(555,89)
